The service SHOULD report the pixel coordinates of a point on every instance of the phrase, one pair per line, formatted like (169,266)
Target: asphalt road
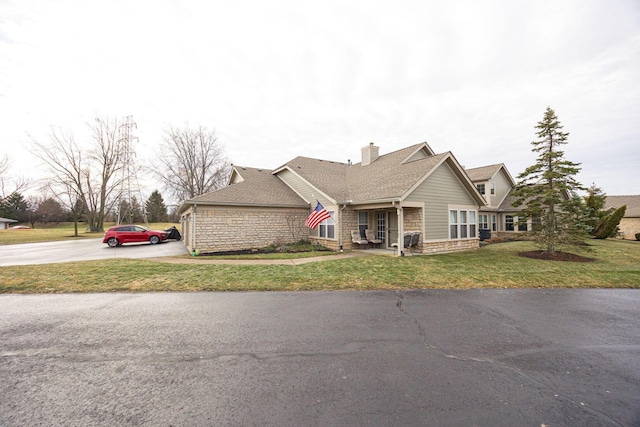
(83,250)
(415,358)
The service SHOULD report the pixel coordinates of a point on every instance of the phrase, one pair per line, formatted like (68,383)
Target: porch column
(400,231)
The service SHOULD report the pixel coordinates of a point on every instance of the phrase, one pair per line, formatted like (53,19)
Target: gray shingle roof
(632,203)
(390,176)
(506,203)
(258,188)
(483,173)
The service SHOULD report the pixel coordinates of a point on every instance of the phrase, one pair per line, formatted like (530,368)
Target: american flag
(318,215)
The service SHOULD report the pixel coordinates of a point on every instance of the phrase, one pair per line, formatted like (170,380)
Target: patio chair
(357,239)
(371,237)
(415,238)
(406,242)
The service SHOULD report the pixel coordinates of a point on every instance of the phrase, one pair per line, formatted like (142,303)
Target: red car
(120,234)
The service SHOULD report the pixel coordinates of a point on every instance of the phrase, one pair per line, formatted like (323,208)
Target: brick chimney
(369,154)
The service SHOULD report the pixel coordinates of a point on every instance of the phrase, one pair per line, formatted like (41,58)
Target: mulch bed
(557,256)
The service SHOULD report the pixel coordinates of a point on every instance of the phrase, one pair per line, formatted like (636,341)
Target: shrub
(609,227)
(637,236)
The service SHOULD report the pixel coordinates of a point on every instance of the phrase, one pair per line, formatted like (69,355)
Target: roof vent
(369,154)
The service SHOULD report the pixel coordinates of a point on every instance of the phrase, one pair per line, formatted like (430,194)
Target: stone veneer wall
(224,228)
(435,247)
(349,222)
(413,222)
(629,227)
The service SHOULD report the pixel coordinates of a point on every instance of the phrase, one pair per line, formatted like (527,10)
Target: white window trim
(325,223)
(459,208)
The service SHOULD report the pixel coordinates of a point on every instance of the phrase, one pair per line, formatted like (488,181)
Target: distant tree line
(46,210)
(86,181)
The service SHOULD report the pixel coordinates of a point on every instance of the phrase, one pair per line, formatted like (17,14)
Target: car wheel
(113,242)
(154,239)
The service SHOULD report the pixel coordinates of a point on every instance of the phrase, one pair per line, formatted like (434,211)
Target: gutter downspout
(340,239)
(193,249)
(400,213)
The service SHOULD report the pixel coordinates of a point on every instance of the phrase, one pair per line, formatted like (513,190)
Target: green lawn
(617,265)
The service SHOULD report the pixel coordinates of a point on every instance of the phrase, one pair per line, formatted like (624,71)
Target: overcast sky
(278,79)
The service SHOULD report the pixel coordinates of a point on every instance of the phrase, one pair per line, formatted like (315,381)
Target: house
(5,223)
(412,189)
(630,223)
(495,184)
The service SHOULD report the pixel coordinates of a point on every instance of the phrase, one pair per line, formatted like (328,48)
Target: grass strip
(493,266)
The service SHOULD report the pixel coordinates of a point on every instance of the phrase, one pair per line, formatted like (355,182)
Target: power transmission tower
(129,182)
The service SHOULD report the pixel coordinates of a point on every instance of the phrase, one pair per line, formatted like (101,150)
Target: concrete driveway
(83,250)
(415,358)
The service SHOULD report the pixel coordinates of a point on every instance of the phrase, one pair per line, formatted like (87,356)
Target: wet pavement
(431,357)
(83,250)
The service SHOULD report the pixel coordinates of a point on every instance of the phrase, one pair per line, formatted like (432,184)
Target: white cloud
(281,78)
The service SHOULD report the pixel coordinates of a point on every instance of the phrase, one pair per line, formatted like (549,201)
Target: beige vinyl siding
(502,188)
(307,192)
(235,179)
(421,154)
(301,187)
(441,189)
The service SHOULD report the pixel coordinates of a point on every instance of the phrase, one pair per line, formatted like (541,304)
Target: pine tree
(156,209)
(544,188)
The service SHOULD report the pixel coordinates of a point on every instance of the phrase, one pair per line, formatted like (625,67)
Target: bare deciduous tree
(90,177)
(192,162)
(8,184)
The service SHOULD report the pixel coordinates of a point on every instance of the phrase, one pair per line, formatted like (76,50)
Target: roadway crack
(494,361)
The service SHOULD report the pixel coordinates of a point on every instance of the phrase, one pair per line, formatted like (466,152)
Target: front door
(392,230)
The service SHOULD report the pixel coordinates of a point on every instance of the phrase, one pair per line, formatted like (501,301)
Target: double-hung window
(508,223)
(483,221)
(453,224)
(363,222)
(472,224)
(328,227)
(463,223)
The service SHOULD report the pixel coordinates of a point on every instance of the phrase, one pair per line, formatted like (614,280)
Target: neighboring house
(630,223)
(5,223)
(499,216)
(496,184)
(412,189)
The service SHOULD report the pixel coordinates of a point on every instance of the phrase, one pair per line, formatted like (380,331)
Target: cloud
(279,79)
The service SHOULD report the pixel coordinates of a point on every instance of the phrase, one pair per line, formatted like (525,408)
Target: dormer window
(480,188)
(493,189)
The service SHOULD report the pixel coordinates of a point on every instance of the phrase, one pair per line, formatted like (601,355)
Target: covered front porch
(388,223)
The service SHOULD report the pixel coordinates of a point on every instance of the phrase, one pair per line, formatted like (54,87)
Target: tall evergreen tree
(156,209)
(544,188)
